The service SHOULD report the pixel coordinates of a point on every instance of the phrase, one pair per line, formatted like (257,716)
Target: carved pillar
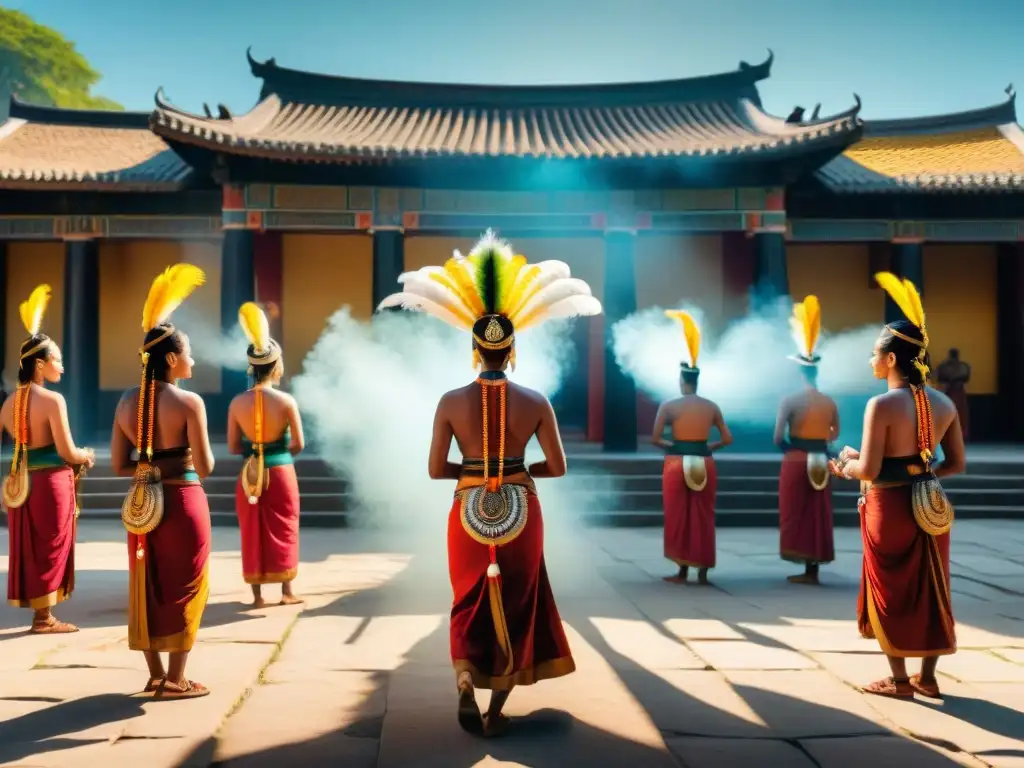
(388,262)
(906,259)
(771,278)
(620,422)
(81,336)
(1010,338)
(237,286)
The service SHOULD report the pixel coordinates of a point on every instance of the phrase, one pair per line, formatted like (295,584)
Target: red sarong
(270,528)
(689,515)
(537,640)
(168,588)
(41,534)
(805,515)
(904,599)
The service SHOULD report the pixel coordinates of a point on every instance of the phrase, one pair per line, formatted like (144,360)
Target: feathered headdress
(493,292)
(904,294)
(257,330)
(806,326)
(32,311)
(691,332)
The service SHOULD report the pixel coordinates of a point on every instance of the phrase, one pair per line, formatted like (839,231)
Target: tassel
(498,611)
(138,620)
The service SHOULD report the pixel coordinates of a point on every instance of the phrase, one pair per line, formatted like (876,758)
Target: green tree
(42,66)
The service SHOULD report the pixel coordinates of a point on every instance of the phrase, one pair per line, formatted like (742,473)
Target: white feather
(551,294)
(571,306)
(429,288)
(420,303)
(491,242)
(799,337)
(548,272)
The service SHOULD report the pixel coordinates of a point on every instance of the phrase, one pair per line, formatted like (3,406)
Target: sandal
(152,685)
(891,688)
(496,725)
(52,627)
(469,710)
(187,689)
(929,690)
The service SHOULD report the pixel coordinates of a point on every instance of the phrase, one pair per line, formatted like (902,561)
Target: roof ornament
(224,113)
(796,116)
(766,65)
(257,67)
(206,109)
(1010,91)
(817,110)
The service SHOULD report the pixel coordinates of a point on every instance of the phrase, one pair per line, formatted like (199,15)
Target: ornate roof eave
(1003,113)
(299,85)
(94,118)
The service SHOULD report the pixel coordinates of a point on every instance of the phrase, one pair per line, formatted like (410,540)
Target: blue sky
(904,57)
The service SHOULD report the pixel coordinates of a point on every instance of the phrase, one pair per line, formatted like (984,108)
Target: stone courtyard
(752,671)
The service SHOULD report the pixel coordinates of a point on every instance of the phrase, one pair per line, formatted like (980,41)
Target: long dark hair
(258,373)
(27,366)
(155,369)
(905,352)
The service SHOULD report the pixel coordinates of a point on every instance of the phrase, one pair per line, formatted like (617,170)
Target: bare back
(277,410)
(47,422)
(899,414)
(691,417)
(809,415)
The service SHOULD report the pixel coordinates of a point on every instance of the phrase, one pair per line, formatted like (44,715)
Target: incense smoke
(369,391)
(745,368)
(210,344)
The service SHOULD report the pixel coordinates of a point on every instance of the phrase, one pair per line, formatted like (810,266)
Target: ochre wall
(671,270)
(29,265)
(960,302)
(840,276)
(321,274)
(127,269)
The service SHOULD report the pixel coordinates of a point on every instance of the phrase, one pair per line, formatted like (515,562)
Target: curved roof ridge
(984,117)
(94,118)
(300,85)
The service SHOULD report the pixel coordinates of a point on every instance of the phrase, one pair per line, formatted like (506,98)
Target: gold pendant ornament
(494,518)
(16,485)
(143,507)
(695,472)
(933,512)
(817,471)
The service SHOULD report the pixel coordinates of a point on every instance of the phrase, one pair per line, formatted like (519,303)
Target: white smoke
(745,369)
(369,391)
(211,345)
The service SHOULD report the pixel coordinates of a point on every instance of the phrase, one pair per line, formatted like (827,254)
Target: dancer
(39,494)
(905,516)
(689,479)
(166,512)
(807,422)
(505,628)
(264,424)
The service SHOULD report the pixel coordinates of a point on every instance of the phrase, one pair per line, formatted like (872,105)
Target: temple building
(330,187)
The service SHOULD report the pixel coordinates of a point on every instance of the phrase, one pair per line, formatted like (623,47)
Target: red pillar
(269,269)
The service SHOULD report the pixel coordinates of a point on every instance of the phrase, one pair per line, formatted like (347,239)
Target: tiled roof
(85,149)
(317,118)
(978,151)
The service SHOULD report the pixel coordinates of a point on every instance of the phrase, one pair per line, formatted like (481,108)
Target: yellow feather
(457,300)
(33,309)
(168,291)
(690,332)
(461,276)
(517,295)
(510,271)
(255,326)
(897,289)
(811,322)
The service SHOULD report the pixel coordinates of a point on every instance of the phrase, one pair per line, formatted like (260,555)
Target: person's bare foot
(51,626)
(674,579)
(803,578)
(259,602)
(291,600)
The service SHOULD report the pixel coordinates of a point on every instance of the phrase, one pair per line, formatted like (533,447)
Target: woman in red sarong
(505,628)
(905,598)
(39,493)
(166,512)
(689,480)
(807,422)
(264,424)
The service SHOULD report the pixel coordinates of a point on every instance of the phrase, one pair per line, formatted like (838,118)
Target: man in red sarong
(264,424)
(905,599)
(168,533)
(505,628)
(807,422)
(953,376)
(689,478)
(39,492)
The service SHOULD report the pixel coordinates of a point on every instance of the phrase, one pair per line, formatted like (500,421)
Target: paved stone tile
(738,753)
(729,654)
(643,644)
(882,752)
(980,667)
(841,636)
(702,629)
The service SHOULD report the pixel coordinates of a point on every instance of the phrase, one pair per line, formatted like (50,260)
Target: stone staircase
(625,490)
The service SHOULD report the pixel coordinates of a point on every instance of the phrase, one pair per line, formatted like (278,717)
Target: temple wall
(840,276)
(321,274)
(127,269)
(960,302)
(672,270)
(29,265)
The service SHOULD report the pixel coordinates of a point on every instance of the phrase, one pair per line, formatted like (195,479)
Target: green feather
(488,273)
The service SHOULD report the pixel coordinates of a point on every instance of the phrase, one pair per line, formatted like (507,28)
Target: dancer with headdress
(689,480)
(166,512)
(39,493)
(265,426)
(905,518)
(505,628)
(807,422)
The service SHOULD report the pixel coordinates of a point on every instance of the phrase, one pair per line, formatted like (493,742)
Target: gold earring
(476,360)
(512,361)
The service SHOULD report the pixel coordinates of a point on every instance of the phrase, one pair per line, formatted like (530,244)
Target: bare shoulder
(529,394)
(940,401)
(48,398)
(191,400)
